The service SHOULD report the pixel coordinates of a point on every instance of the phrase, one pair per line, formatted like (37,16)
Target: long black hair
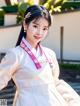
(33,12)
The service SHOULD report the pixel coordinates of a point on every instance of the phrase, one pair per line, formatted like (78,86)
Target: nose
(40,31)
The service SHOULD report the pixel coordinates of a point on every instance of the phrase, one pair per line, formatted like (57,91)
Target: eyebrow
(38,24)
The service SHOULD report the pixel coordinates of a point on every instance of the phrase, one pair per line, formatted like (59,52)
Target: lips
(37,37)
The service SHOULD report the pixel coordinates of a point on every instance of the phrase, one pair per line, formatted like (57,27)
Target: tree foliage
(61,5)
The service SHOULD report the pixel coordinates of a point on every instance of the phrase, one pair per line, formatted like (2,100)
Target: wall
(71,36)
(2,3)
(8,37)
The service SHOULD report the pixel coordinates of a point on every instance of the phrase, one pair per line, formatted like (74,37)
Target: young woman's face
(37,31)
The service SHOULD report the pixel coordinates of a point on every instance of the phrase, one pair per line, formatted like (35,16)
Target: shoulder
(50,52)
(52,56)
(15,52)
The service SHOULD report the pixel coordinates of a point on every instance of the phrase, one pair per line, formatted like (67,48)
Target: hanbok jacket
(36,87)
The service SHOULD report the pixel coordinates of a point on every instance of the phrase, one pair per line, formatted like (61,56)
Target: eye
(45,29)
(35,26)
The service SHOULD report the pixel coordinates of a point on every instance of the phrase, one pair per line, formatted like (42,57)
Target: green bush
(10,8)
(1,17)
(61,5)
(69,66)
(70,5)
(21,10)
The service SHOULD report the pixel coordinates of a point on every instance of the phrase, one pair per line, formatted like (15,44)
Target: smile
(37,37)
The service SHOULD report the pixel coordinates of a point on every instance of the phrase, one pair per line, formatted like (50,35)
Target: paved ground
(72,77)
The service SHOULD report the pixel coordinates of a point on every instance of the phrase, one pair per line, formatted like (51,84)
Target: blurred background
(63,38)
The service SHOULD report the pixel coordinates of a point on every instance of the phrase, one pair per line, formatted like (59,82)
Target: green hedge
(10,8)
(63,6)
(69,5)
(70,66)
(1,16)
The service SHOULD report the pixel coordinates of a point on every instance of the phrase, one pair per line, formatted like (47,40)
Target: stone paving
(72,77)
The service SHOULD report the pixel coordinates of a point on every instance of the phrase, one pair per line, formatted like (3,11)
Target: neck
(33,44)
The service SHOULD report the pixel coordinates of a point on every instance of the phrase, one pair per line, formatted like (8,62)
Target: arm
(66,91)
(8,66)
(55,66)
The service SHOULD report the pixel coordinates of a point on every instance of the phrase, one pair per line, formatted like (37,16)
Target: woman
(34,68)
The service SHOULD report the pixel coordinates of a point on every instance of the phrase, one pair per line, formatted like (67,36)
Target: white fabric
(36,87)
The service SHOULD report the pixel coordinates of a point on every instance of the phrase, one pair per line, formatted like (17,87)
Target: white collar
(35,51)
(27,43)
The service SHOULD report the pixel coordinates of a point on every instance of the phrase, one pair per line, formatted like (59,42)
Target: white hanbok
(36,87)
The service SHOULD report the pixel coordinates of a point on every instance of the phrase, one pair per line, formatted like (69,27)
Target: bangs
(38,18)
(35,12)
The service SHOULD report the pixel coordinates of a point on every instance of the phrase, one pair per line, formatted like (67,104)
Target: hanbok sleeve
(66,91)
(55,66)
(8,66)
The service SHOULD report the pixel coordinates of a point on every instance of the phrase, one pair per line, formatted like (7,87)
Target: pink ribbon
(24,46)
(34,59)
